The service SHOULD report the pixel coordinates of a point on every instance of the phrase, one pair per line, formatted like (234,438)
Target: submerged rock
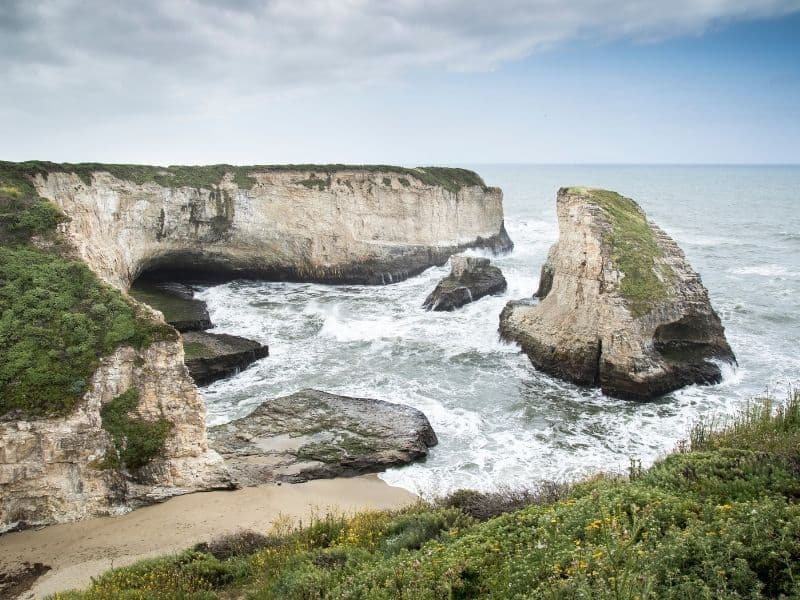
(313,434)
(212,356)
(470,278)
(620,307)
(176,302)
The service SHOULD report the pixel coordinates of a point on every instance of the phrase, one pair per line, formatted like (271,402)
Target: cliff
(620,307)
(66,468)
(97,411)
(333,224)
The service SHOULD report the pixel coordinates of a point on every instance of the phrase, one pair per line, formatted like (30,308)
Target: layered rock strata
(619,305)
(470,278)
(329,224)
(313,434)
(213,356)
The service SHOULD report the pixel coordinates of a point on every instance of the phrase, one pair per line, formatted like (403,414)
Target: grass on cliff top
(208,176)
(136,441)
(634,250)
(718,520)
(56,317)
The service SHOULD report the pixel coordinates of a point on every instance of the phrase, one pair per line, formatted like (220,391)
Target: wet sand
(82,550)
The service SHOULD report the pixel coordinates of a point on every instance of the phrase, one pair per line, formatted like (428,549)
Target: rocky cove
(138,434)
(202,320)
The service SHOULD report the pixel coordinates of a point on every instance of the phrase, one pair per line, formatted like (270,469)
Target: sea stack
(619,305)
(470,278)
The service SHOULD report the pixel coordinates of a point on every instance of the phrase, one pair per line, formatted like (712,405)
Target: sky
(408,82)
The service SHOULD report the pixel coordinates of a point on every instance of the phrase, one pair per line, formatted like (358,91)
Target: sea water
(499,421)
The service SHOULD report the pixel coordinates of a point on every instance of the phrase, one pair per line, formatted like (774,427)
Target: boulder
(212,356)
(176,302)
(470,278)
(313,434)
(619,305)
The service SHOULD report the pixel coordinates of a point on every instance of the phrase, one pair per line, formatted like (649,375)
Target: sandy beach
(76,552)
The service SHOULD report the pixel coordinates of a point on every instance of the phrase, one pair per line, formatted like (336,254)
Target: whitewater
(499,421)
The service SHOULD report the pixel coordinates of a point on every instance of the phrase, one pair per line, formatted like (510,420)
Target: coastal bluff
(327,224)
(98,412)
(619,307)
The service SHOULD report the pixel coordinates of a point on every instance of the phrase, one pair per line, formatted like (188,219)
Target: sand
(82,550)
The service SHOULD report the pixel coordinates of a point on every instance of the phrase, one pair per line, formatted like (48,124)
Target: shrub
(136,440)
(237,544)
(485,505)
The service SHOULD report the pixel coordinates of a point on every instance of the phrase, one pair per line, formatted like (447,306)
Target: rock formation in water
(313,434)
(619,305)
(334,224)
(213,356)
(470,278)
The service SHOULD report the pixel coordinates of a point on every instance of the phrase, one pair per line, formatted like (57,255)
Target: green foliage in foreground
(56,317)
(634,250)
(718,521)
(208,176)
(136,441)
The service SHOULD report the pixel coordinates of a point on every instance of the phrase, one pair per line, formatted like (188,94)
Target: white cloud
(194,54)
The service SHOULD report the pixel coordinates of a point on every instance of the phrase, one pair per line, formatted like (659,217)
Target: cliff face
(53,470)
(364,225)
(342,226)
(620,307)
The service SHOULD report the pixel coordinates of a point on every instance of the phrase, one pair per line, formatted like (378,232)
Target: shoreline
(78,551)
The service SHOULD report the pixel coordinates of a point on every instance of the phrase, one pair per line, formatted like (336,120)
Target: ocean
(500,422)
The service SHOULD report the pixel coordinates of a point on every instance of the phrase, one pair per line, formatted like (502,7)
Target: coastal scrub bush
(483,506)
(136,440)
(56,319)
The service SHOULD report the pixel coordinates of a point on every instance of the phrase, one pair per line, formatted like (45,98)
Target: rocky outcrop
(313,434)
(336,224)
(176,302)
(333,224)
(53,470)
(470,278)
(212,356)
(620,307)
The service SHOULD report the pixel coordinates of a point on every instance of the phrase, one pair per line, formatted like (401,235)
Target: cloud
(196,55)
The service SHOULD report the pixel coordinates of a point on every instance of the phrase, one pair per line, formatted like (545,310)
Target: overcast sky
(400,81)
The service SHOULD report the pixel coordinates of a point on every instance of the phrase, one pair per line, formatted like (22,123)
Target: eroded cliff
(619,305)
(332,224)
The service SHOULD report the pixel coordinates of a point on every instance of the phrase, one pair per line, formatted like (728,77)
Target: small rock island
(619,305)
(470,278)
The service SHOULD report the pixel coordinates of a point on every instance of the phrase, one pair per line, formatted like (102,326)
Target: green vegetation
(192,350)
(717,519)
(136,440)
(209,176)
(313,181)
(634,250)
(56,317)
(56,320)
